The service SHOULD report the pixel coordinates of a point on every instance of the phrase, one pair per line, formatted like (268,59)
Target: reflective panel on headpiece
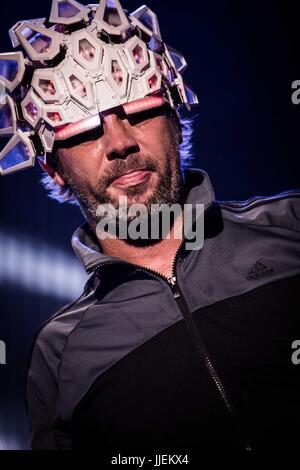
(146,19)
(9,69)
(8,119)
(67,12)
(40,43)
(191,96)
(18,154)
(178,59)
(12,69)
(111,18)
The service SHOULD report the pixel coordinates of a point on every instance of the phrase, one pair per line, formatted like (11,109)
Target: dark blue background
(243,57)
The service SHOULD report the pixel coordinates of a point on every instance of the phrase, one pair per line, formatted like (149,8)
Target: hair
(65,194)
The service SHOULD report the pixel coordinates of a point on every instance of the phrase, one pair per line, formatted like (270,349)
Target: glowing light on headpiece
(144,104)
(79,127)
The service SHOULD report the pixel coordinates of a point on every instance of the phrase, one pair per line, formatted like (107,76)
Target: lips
(132,178)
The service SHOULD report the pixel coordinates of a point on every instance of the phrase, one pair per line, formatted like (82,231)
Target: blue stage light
(35,266)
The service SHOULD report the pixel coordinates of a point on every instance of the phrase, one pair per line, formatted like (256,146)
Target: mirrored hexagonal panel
(161,65)
(191,96)
(178,59)
(138,55)
(111,14)
(47,87)
(38,41)
(153,81)
(18,154)
(67,9)
(117,72)
(9,69)
(87,50)
(31,110)
(6,120)
(147,20)
(78,86)
(55,117)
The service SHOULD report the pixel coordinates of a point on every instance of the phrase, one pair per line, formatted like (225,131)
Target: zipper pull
(173,283)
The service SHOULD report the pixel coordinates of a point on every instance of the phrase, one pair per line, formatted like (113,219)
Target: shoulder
(281,211)
(50,341)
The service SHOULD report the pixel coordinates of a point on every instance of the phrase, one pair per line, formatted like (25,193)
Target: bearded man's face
(137,157)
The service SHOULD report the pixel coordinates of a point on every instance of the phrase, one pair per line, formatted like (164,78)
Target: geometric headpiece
(88,60)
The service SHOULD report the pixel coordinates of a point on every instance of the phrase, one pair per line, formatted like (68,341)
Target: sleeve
(41,399)
(41,435)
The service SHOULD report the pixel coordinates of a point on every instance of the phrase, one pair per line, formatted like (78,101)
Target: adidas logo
(258,271)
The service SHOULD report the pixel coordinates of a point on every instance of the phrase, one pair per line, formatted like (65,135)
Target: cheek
(158,139)
(83,163)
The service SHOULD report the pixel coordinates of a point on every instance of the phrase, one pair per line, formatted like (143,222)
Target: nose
(119,137)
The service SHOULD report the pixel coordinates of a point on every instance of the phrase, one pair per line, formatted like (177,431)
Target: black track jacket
(199,361)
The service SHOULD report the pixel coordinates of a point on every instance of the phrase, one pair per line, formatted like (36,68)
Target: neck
(158,256)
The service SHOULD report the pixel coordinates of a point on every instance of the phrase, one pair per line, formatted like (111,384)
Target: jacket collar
(84,241)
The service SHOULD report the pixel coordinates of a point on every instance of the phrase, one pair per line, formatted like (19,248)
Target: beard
(168,189)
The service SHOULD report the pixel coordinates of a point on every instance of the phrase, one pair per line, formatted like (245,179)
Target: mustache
(119,167)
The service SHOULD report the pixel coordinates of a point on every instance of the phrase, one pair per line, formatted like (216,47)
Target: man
(167,347)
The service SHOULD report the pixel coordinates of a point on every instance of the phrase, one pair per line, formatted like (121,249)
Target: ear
(51,172)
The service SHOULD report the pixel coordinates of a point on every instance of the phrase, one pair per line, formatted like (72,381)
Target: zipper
(192,328)
(205,359)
